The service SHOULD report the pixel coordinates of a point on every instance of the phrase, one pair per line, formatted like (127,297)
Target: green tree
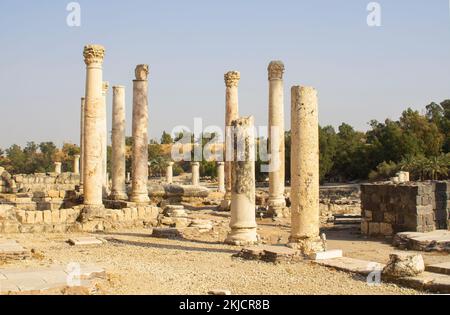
(166,138)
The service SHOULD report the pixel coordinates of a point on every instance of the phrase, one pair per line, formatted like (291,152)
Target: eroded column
(169,173)
(76,164)
(118,189)
(243,222)
(231,113)
(195,173)
(82,142)
(58,167)
(104,133)
(276,200)
(93,152)
(221,176)
(139,174)
(305,171)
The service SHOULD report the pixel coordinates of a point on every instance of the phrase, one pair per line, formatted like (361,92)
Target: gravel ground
(139,264)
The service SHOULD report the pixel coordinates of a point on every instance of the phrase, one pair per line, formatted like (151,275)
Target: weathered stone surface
(404,265)
(330,254)
(219,292)
(432,241)
(83,241)
(359,266)
(442,268)
(166,233)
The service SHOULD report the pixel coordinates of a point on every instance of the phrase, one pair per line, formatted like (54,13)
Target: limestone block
(55,216)
(141,213)
(47,216)
(53,194)
(127,212)
(39,218)
(404,265)
(134,214)
(386,229)
(63,215)
(374,228)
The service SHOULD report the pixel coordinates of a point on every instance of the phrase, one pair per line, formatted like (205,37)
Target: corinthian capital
(93,53)
(232,78)
(141,72)
(276,70)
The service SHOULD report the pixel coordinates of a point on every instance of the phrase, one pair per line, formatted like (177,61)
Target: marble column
(58,167)
(221,176)
(276,200)
(305,212)
(139,174)
(195,173)
(169,173)
(104,133)
(243,221)
(76,164)
(231,113)
(118,189)
(92,149)
(81,142)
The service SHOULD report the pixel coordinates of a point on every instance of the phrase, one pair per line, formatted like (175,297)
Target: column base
(140,198)
(225,205)
(307,246)
(118,195)
(276,207)
(92,212)
(242,237)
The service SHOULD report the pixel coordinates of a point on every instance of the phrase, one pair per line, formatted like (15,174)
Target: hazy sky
(361,72)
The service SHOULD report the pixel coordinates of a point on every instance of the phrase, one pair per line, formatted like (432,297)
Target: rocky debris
(433,241)
(219,292)
(404,265)
(83,241)
(10,249)
(202,225)
(167,233)
(175,211)
(273,254)
(250,253)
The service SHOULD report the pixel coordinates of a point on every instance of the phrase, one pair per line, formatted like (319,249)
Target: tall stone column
(76,164)
(305,171)
(58,167)
(82,142)
(243,221)
(276,200)
(221,176)
(139,174)
(169,173)
(104,132)
(118,190)
(93,151)
(195,173)
(231,113)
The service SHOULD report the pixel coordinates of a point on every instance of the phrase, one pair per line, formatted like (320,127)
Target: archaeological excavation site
(303,208)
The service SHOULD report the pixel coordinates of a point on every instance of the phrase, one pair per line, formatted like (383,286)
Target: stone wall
(7,183)
(46,181)
(389,208)
(13,220)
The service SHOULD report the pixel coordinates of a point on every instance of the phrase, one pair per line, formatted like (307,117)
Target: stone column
(221,176)
(243,221)
(76,164)
(118,190)
(305,171)
(231,113)
(58,167)
(195,173)
(104,132)
(82,142)
(93,150)
(139,174)
(169,173)
(276,200)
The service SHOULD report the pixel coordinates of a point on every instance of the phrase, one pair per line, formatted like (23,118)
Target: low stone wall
(389,208)
(46,181)
(13,220)
(42,200)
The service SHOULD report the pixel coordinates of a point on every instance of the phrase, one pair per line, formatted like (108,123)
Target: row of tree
(418,143)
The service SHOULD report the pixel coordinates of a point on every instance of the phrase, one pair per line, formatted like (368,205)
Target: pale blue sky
(361,73)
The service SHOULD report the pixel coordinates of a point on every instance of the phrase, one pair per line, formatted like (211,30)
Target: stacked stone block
(389,208)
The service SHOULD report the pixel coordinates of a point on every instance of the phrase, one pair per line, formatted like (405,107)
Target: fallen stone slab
(40,280)
(10,249)
(353,265)
(438,240)
(329,254)
(250,253)
(268,253)
(83,241)
(427,281)
(202,225)
(167,233)
(442,268)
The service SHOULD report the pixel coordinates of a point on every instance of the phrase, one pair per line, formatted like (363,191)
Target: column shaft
(76,164)
(118,190)
(139,172)
(221,176)
(169,173)
(82,142)
(195,173)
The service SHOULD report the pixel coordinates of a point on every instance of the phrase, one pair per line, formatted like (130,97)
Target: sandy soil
(137,263)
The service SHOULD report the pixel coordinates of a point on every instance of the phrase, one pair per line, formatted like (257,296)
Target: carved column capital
(93,54)
(232,78)
(141,72)
(276,70)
